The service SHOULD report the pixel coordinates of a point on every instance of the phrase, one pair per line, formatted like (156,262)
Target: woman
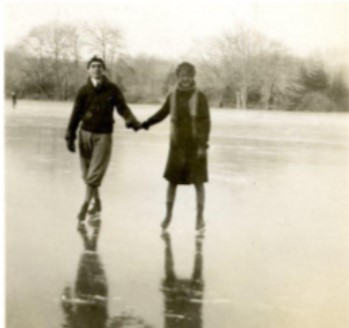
(190,128)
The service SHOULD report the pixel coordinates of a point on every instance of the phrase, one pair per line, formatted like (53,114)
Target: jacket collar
(104,82)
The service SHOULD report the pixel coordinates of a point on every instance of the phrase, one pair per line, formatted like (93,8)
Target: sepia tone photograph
(175,164)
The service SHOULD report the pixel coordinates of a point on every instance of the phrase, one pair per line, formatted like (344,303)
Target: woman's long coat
(190,129)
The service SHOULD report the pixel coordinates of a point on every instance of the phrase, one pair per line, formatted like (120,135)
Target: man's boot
(96,208)
(83,212)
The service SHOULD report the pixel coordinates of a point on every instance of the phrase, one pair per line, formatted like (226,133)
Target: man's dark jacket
(94,108)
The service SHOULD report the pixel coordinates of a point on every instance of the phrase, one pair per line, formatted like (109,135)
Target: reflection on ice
(278,225)
(183,296)
(86,306)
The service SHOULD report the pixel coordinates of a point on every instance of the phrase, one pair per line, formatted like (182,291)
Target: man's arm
(124,111)
(75,118)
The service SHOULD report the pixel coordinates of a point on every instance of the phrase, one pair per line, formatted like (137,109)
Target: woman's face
(185,79)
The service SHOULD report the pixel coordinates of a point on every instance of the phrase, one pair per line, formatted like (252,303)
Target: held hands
(145,125)
(136,125)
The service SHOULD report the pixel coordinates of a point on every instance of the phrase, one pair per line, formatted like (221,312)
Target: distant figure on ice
(14,99)
(94,108)
(183,297)
(86,306)
(190,129)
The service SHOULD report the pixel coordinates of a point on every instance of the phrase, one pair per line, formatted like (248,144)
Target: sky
(170,28)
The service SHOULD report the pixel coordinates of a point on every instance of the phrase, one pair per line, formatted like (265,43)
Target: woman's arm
(204,122)
(159,115)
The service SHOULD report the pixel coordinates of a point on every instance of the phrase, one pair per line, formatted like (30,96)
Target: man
(94,109)
(86,305)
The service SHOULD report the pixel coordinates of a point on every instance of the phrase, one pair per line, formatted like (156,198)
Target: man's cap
(96,59)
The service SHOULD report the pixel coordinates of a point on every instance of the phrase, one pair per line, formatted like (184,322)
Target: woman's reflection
(183,297)
(86,306)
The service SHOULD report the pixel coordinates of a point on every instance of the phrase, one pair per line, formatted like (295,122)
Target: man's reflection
(86,306)
(183,297)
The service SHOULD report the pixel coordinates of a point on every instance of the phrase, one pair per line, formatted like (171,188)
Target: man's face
(96,70)
(185,79)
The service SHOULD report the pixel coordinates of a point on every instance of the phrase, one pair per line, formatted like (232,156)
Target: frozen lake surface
(275,252)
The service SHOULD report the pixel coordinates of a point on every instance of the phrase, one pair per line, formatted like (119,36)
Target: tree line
(240,69)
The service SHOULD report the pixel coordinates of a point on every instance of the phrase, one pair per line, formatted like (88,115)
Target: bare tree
(238,50)
(52,54)
(146,77)
(241,62)
(272,70)
(212,81)
(106,42)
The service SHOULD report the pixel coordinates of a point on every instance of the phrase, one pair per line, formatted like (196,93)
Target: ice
(277,222)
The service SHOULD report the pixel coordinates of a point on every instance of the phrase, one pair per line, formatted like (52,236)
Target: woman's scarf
(193,108)
(183,88)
